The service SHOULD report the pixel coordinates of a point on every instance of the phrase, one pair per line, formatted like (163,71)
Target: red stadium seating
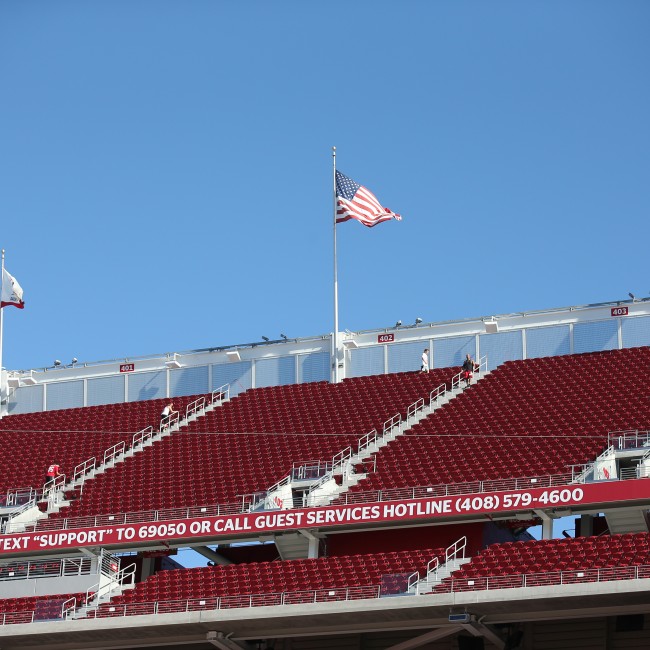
(580,559)
(37,608)
(527,418)
(203,468)
(70,437)
(274,577)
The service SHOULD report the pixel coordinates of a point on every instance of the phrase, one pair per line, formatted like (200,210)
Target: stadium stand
(527,418)
(253,459)
(69,437)
(553,562)
(280,577)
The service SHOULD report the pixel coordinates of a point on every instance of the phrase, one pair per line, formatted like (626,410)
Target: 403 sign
(385,338)
(619,311)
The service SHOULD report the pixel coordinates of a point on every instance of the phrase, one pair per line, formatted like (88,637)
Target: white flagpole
(335,344)
(2,313)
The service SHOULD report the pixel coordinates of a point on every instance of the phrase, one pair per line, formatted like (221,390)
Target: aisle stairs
(318,483)
(54,493)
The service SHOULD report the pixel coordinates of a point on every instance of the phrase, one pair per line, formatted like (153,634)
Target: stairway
(28,515)
(343,477)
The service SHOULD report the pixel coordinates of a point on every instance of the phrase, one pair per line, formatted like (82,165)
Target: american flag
(353,201)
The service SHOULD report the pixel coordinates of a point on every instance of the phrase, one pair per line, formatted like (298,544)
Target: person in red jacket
(53,471)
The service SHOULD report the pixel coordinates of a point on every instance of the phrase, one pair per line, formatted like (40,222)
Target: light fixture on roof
(418,320)
(632,296)
(266,338)
(350,344)
(284,336)
(233,355)
(57,363)
(398,323)
(173,362)
(74,360)
(491,326)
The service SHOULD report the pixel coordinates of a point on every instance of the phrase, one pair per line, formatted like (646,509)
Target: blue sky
(165,165)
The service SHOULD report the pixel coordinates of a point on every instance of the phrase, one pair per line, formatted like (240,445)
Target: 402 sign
(385,338)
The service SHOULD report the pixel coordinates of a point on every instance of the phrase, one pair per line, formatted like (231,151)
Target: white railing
(455,489)
(249,501)
(220,395)
(545,579)
(45,569)
(53,487)
(629,439)
(113,452)
(234,602)
(82,469)
(68,608)
(194,407)
(436,395)
(12,618)
(125,576)
(415,409)
(140,438)
(433,566)
(18,497)
(391,424)
(169,421)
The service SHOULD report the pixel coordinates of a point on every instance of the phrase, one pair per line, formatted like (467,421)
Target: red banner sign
(255,523)
(619,311)
(385,338)
(127,367)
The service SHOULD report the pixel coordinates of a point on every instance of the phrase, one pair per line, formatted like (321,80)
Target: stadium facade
(388,511)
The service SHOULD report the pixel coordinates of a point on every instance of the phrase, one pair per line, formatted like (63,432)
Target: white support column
(620,333)
(547,524)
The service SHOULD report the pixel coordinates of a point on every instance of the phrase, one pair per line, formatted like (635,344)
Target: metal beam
(217,558)
(224,642)
(479,629)
(434,635)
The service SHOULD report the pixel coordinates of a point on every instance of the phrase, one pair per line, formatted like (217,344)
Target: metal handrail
(221,394)
(68,607)
(142,437)
(80,471)
(393,494)
(113,452)
(45,569)
(194,407)
(391,423)
(637,438)
(301,597)
(18,496)
(542,579)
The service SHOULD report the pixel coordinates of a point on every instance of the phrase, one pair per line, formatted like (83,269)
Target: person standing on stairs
(167,412)
(53,471)
(425,361)
(469,366)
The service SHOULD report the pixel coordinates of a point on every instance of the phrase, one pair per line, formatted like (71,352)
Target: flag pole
(2,314)
(335,342)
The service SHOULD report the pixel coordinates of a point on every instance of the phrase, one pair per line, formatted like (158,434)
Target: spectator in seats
(425,361)
(469,366)
(53,471)
(167,412)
